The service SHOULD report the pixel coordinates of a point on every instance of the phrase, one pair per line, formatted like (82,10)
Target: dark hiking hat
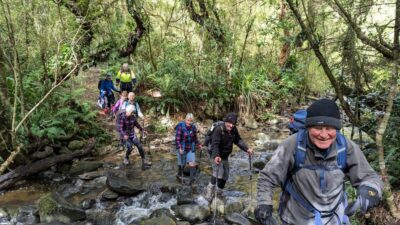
(323,112)
(231,118)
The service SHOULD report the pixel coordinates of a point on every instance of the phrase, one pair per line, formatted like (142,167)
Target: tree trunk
(134,37)
(9,179)
(394,210)
(285,49)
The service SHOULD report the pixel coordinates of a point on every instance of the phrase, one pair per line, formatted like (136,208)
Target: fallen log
(9,179)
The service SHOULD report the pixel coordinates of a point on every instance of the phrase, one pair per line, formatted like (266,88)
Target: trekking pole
(251,179)
(183,167)
(215,194)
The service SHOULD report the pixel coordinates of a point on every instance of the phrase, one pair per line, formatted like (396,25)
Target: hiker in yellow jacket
(126,77)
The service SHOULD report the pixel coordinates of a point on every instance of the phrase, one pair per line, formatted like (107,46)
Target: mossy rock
(54,208)
(47,205)
(76,145)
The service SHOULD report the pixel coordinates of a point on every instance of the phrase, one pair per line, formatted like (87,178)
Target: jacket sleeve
(275,173)
(239,141)
(116,106)
(136,124)
(216,140)
(178,136)
(103,85)
(359,170)
(196,141)
(113,87)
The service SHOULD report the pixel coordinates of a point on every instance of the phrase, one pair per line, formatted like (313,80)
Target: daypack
(209,134)
(184,130)
(99,84)
(297,122)
(299,163)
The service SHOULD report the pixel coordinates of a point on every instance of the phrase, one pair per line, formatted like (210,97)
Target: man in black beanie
(310,167)
(223,138)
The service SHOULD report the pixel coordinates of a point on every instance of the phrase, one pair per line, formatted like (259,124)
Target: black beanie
(231,118)
(323,112)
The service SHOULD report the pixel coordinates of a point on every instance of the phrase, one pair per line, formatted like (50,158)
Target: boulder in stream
(192,212)
(237,218)
(85,167)
(4,216)
(27,215)
(259,164)
(165,220)
(233,205)
(109,195)
(122,185)
(54,208)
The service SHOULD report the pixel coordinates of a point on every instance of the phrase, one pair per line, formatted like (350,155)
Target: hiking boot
(126,161)
(180,172)
(145,164)
(209,192)
(192,175)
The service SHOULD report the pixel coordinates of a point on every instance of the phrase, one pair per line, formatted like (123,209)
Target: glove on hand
(263,214)
(367,197)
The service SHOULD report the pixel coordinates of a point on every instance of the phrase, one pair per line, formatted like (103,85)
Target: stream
(116,194)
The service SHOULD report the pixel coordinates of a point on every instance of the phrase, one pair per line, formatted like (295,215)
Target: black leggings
(126,86)
(129,144)
(221,183)
(110,99)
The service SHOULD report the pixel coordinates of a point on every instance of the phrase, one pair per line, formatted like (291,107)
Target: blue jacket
(107,86)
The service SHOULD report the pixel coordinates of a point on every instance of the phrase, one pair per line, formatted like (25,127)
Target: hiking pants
(223,170)
(129,144)
(110,99)
(187,157)
(126,86)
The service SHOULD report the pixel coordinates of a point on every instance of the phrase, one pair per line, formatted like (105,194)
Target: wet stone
(85,167)
(165,220)
(233,206)
(27,215)
(54,208)
(109,195)
(237,218)
(4,216)
(192,212)
(122,185)
(91,175)
(259,164)
(183,223)
(88,203)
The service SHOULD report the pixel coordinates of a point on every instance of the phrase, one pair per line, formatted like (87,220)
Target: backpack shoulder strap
(300,152)
(341,147)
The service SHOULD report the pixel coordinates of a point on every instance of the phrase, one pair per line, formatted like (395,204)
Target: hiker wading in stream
(311,167)
(127,123)
(186,141)
(223,138)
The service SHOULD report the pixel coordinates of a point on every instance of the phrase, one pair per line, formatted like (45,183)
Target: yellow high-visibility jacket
(126,77)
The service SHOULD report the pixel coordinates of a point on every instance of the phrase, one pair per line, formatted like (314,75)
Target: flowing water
(160,181)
